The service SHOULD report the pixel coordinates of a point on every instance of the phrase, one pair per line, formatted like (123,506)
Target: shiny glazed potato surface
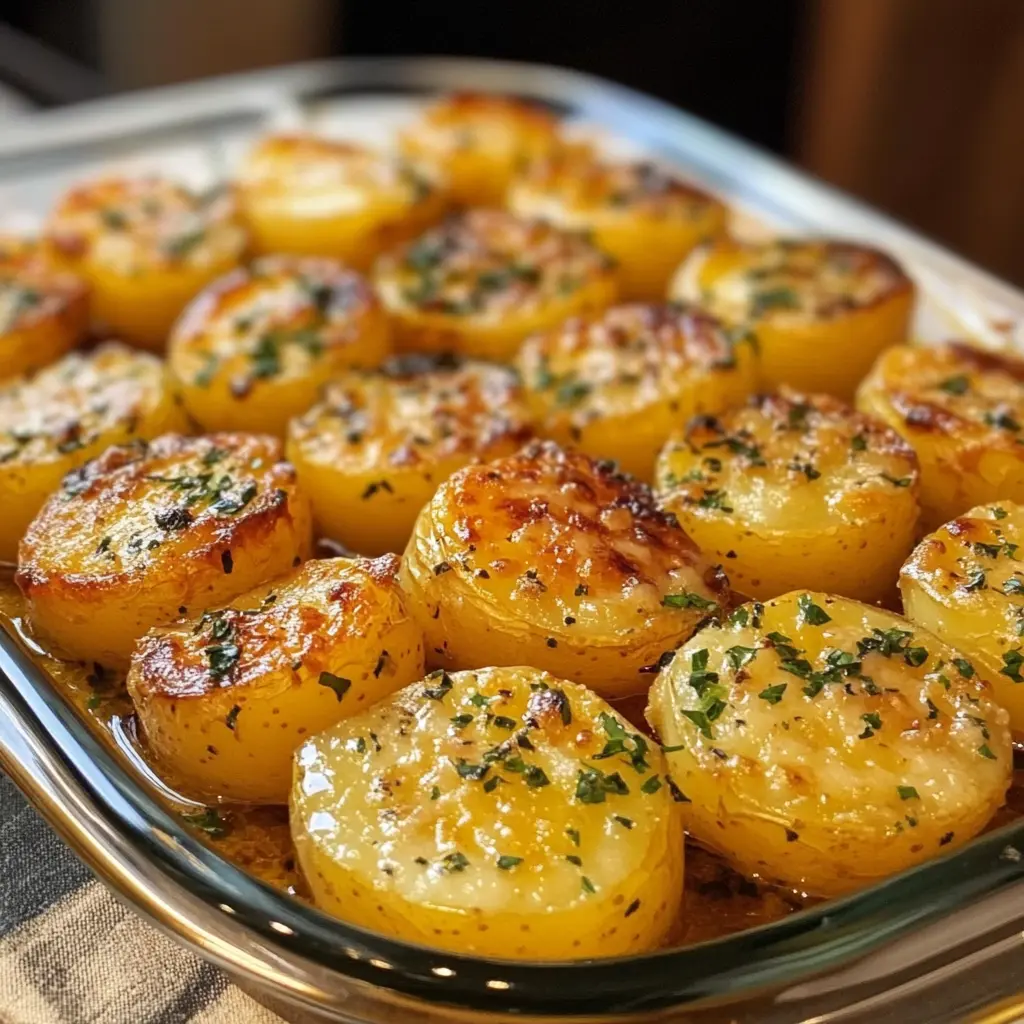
(371,455)
(484,280)
(502,812)
(254,349)
(552,559)
(147,533)
(795,491)
(619,385)
(224,699)
(826,744)
(68,413)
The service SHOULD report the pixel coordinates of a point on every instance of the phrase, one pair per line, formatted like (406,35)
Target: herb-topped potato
(549,558)
(484,280)
(962,410)
(795,491)
(502,813)
(371,455)
(821,311)
(311,196)
(642,215)
(479,142)
(67,414)
(826,744)
(147,533)
(254,349)
(617,386)
(225,698)
(145,246)
(43,311)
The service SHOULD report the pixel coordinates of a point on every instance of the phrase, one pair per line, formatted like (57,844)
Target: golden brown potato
(552,559)
(795,491)
(501,813)
(69,413)
(826,744)
(483,281)
(321,197)
(962,410)
(619,385)
(371,455)
(147,533)
(145,246)
(643,216)
(821,311)
(254,349)
(224,699)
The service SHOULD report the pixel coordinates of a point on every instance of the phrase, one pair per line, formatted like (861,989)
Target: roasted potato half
(617,386)
(821,311)
(479,142)
(646,218)
(225,698)
(145,246)
(550,558)
(312,196)
(503,813)
(826,744)
(965,583)
(795,491)
(44,312)
(962,410)
(68,413)
(254,349)
(147,533)
(371,455)
(484,280)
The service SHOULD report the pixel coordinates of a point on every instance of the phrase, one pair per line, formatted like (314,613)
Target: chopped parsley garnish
(208,821)
(231,717)
(593,785)
(1012,661)
(339,684)
(738,656)
(506,862)
(688,599)
(957,385)
(812,614)
(773,694)
(907,793)
(222,658)
(453,862)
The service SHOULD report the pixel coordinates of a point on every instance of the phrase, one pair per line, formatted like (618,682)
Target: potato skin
(962,410)
(821,310)
(311,196)
(371,455)
(617,386)
(474,812)
(69,413)
(795,491)
(826,744)
(550,558)
(224,699)
(644,217)
(145,246)
(254,349)
(479,142)
(484,280)
(147,533)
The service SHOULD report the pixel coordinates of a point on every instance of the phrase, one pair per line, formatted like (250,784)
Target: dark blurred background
(915,105)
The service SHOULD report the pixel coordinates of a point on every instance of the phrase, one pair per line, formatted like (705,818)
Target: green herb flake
(773,694)
(812,614)
(339,684)
(907,793)
(506,862)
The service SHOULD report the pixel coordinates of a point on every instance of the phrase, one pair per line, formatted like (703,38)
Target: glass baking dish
(940,942)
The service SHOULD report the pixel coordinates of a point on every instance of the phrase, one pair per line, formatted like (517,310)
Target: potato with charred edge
(311,196)
(145,246)
(643,216)
(147,533)
(619,385)
(371,455)
(795,490)
(826,744)
(484,280)
(501,813)
(962,410)
(255,348)
(68,413)
(821,311)
(43,311)
(550,558)
(225,698)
